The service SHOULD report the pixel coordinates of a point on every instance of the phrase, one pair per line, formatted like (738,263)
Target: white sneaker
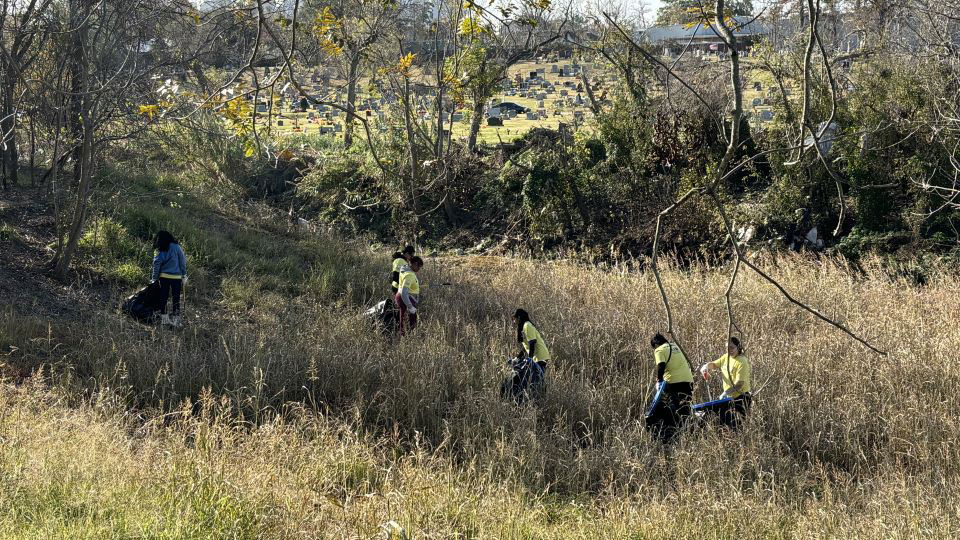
(165,320)
(175,321)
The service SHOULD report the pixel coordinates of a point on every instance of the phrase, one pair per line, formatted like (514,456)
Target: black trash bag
(667,413)
(143,304)
(527,381)
(385,315)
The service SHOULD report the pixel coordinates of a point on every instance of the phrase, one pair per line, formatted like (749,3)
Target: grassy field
(279,412)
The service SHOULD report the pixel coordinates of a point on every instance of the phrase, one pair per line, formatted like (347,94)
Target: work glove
(185,280)
(705,371)
(412,310)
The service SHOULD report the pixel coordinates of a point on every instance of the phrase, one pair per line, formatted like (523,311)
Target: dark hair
(163,240)
(657,340)
(398,255)
(736,343)
(408,250)
(522,318)
(416,260)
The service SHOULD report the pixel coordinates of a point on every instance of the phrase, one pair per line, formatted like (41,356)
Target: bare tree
(494,39)
(716,18)
(24,26)
(109,54)
(348,30)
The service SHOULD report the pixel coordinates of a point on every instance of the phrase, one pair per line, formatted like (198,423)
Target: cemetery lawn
(299,123)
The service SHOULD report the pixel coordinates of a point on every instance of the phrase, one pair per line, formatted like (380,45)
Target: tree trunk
(475,122)
(84,166)
(351,100)
(8,125)
(33,152)
(412,150)
(81,130)
(78,87)
(594,106)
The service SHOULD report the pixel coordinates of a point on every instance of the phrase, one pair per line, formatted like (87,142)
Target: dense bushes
(597,192)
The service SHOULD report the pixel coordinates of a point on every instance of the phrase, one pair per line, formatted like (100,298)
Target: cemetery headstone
(494,121)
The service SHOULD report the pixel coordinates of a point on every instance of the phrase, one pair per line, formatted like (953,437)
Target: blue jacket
(171,262)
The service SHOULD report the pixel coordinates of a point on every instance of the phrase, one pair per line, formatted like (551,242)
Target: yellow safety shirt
(409,280)
(678,369)
(396,266)
(733,371)
(530,333)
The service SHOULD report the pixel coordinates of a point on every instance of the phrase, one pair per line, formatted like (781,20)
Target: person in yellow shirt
(408,294)
(401,259)
(529,337)
(671,403)
(529,367)
(735,401)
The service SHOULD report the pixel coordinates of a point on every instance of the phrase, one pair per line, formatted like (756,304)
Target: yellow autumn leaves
(325,27)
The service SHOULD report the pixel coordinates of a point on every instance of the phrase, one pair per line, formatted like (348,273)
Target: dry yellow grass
(315,426)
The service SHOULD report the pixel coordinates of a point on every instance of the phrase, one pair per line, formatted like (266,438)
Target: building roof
(745,27)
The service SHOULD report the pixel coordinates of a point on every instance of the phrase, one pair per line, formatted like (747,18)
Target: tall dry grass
(326,428)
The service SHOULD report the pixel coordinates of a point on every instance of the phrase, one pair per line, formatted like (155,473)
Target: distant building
(672,40)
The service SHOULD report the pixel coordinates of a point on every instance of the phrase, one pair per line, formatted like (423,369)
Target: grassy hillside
(279,412)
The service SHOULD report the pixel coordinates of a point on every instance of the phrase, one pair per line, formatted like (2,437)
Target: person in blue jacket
(170,271)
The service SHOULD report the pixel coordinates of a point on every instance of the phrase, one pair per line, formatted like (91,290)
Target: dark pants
(527,381)
(670,410)
(168,286)
(405,318)
(730,412)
